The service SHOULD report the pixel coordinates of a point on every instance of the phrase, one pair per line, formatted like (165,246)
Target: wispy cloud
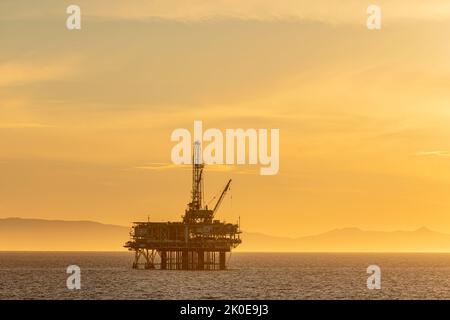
(19,72)
(157,166)
(327,11)
(436,153)
(23,125)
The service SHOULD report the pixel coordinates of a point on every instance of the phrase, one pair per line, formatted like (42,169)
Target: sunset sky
(364,116)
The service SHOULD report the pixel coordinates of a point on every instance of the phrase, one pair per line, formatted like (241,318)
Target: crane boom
(216,207)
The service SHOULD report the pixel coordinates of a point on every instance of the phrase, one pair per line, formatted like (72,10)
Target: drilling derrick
(198,242)
(197,179)
(195,212)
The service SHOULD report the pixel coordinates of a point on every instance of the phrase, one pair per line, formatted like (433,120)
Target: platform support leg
(222,260)
(163,260)
(184,260)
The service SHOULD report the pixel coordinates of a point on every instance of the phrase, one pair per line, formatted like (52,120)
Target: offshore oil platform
(198,242)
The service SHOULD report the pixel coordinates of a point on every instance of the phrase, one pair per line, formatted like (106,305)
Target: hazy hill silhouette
(18,234)
(355,240)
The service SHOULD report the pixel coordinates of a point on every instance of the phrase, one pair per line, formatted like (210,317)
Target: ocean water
(250,276)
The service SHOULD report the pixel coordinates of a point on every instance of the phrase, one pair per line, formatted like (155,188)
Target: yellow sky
(363,115)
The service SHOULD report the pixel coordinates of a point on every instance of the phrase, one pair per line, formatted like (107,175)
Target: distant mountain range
(354,240)
(18,234)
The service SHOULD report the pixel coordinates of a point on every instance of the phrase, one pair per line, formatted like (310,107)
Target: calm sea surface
(251,276)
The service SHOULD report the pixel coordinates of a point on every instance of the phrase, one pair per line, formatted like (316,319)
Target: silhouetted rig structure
(197,243)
